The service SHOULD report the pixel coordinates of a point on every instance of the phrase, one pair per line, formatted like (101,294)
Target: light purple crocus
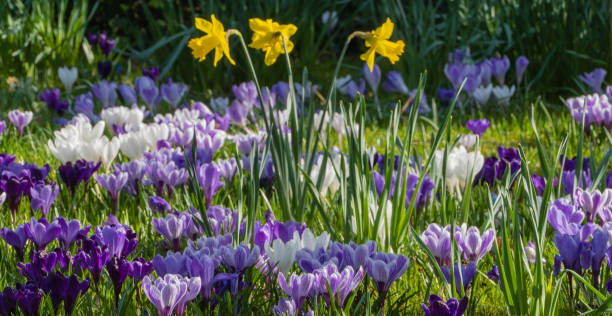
(521,64)
(128,94)
(42,197)
(208,175)
(84,104)
(203,266)
(173,92)
(395,83)
(341,283)
(240,258)
(285,306)
(41,232)
(171,227)
(20,119)
(592,202)
(564,217)
(478,126)
(384,269)
(148,91)
(475,246)
(500,68)
(113,183)
(172,263)
(372,77)
(71,231)
(114,237)
(16,238)
(171,293)
(105,92)
(351,88)
(298,287)
(438,240)
(594,79)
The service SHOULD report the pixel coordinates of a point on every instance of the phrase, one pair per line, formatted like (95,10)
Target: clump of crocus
(20,119)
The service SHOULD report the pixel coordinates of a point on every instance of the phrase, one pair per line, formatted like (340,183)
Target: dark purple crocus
(52,98)
(493,274)
(104,69)
(118,270)
(28,299)
(42,197)
(17,239)
(15,188)
(452,307)
(41,232)
(80,171)
(93,257)
(8,301)
(594,79)
(384,269)
(66,289)
(113,183)
(478,126)
(106,45)
(71,231)
(106,92)
(173,92)
(521,65)
(151,72)
(395,83)
(210,181)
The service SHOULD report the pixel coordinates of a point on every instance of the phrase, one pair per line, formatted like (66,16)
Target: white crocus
(122,116)
(310,241)
(461,167)
(68,76)
(503,93)
(282,254)
(468,140)
(482,94)
(133,144)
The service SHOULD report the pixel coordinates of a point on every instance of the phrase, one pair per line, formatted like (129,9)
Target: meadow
(305,158)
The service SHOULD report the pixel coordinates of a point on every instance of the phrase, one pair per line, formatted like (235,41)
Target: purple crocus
(93,257)
(372,77)
(452,307)
(148,91)
(171,228)
(158,204)
(594,79)
(20,119)
(395,83)
(140,268)
(41,232)
(104,68)
(106,45)
(341,283)
(16,238)
(384,269)
(80,171)
(118,270)
(298,287)
(592,202)
(173,92)
(463,277)
(42,196)
(521,65)
(473,245)
(151,72)
(2,127)
(127,94)
(62,288)
(203,267)
(500,68)
(113,183)
(52,98)
(71,231)
(208,175)
(564,217)
(285,306)
(351,89)
(438,240)
(171,293)
(240,258)
(478,126)
(28,299)
(84,104)
(105,92)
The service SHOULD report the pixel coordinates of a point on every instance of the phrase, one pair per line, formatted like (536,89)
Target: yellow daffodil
(215,38)
(268,36)
(378,42)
